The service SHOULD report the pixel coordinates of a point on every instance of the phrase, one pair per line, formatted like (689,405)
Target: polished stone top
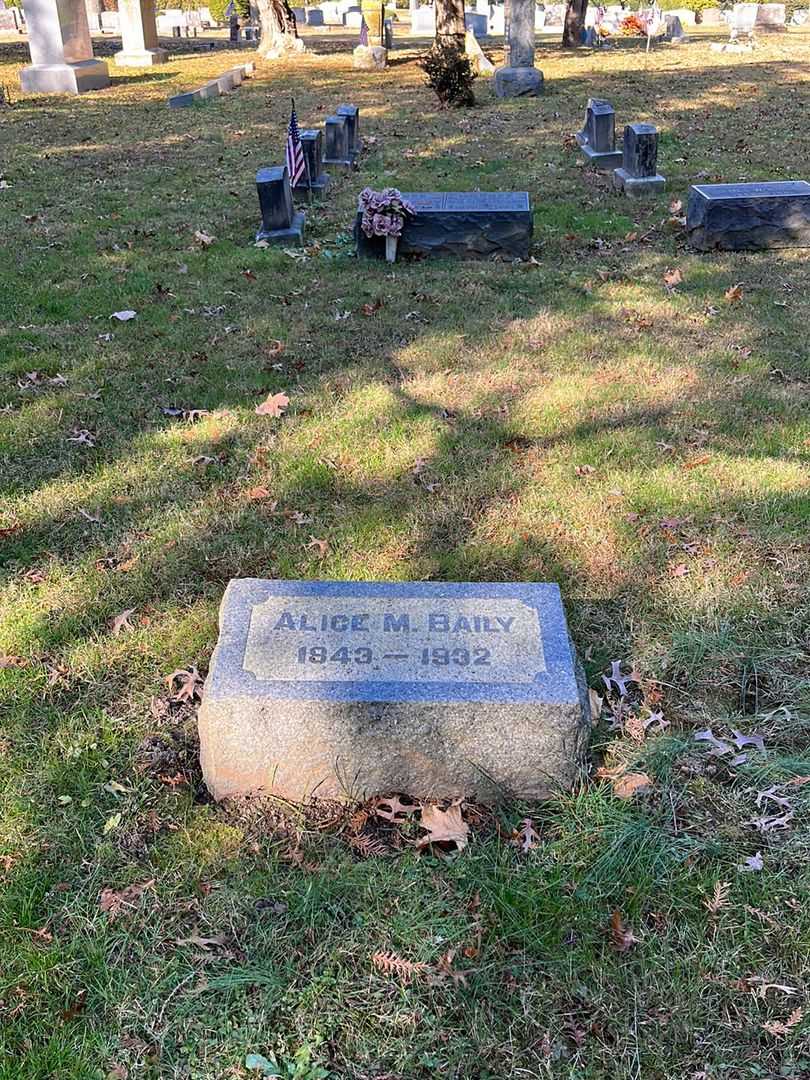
(375,641)
(776,189)
(469,201)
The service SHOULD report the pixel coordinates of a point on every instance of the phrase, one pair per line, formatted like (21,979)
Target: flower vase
(391,248)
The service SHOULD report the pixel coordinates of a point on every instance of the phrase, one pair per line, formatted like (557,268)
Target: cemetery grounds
(619,415)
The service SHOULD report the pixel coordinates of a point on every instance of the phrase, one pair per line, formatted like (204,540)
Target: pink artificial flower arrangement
(384,212)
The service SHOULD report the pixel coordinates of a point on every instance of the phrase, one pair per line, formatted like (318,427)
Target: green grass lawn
(571,419)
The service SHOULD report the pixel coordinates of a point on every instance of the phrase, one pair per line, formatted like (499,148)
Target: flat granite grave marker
(639,172)
(358,688)
(749,217)
(280,222)
(469,224)
(598,136)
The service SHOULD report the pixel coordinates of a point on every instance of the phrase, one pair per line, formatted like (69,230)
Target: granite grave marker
(467,224)
(598,135)
(519,77)
(337,151)
(315,181)
(639,172)
(281,224)
(348,689)
(749,217)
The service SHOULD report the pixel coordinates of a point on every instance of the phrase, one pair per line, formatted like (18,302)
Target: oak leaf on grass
(274,405)
(621,937)
(115,901)
(443,827)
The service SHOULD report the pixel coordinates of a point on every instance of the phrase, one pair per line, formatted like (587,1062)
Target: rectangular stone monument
(337,151)
(352,114)
(598,135)
(479,24)
(466,224)
(639,172)
(139,37)
(519,77)
(771,17)
(349,689)
(62,60)
(315,181)
(749,217)
(281,224)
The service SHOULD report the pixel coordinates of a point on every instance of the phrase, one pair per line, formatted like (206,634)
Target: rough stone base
(638,186)
(76,78)
(602,159)
(518,82)
(147,58)
(293,236)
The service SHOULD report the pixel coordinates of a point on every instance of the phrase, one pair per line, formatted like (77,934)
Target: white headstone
(139,37)
(62,59)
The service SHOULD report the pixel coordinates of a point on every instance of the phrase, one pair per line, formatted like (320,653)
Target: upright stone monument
(315,181)
(280,222)
(337,151)
(598,135)
(62,60)
(519,77)
(348,689)
(139,37)
(352,114)
(639,174)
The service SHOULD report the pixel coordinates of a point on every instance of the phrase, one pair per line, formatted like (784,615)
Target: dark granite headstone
(337,151)
(638,174)
(598,135)
(352,114)
(314,181)
(467,224)
(235,30)
(749,217)
(280,223)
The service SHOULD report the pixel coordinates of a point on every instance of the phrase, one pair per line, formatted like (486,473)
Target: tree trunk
(279,30)
(574,23)
(450,28)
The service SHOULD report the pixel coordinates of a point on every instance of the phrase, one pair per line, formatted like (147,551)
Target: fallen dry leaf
(784,1027)
(274,405)
(322,546)
(673,278)
(621,938)
(203,239)
(121,622)
(114,901)
(719,898)
(391,964)
(734,294)
(189,684)
(525,836)
(443,827)
(629,784)
(394,809)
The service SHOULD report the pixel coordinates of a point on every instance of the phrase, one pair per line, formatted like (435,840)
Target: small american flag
(296,166)
(363,32)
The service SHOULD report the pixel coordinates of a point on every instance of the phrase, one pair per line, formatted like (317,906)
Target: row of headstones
(635,164)
(338,146)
